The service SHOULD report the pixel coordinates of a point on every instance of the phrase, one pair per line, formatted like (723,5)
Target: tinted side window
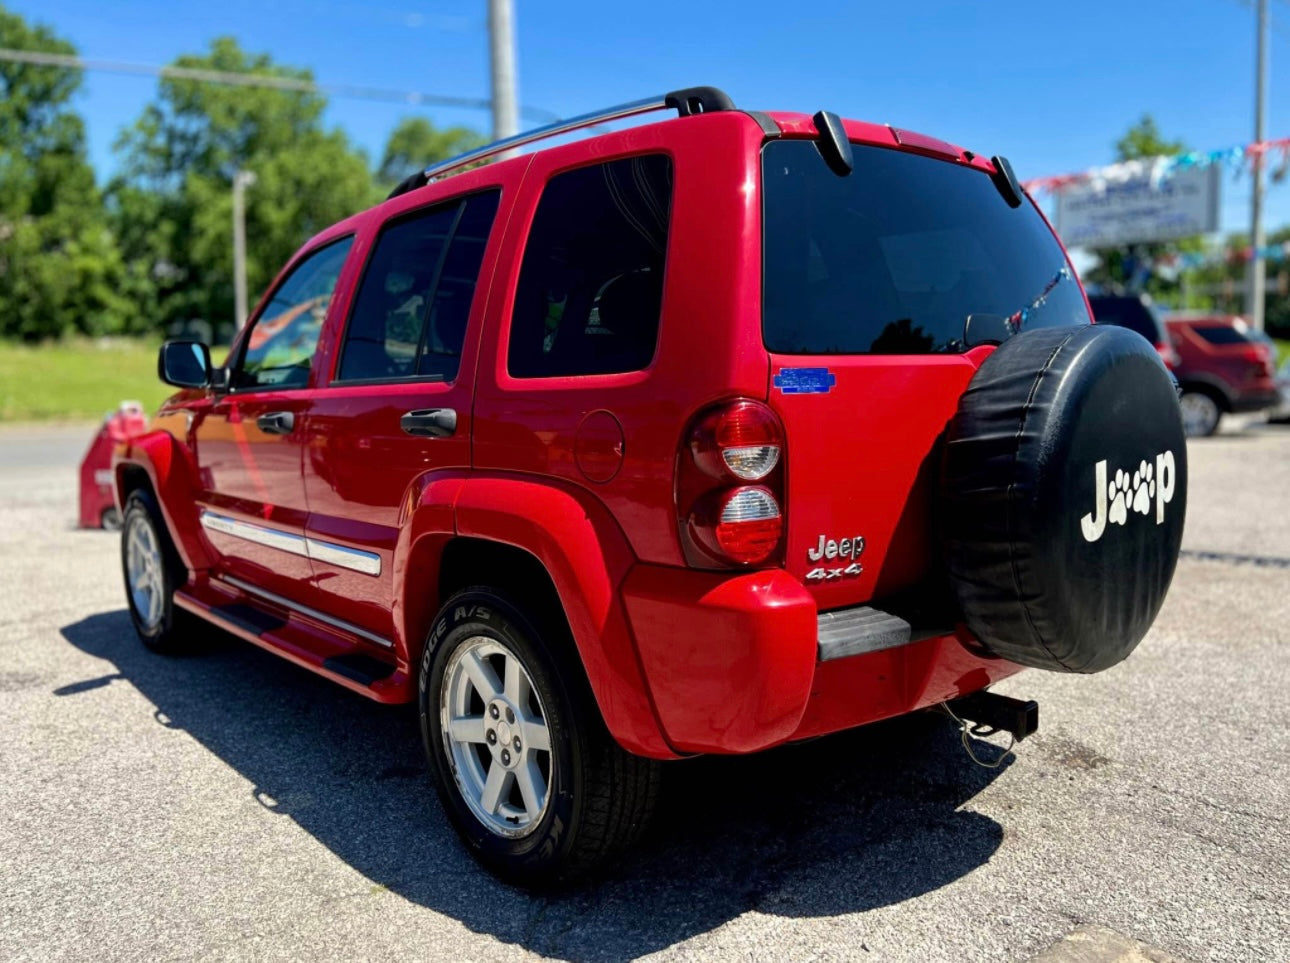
(409,319)
(280,347)
(591,285)
(1219,334)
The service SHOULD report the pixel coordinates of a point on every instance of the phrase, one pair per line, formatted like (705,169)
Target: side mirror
(184,364)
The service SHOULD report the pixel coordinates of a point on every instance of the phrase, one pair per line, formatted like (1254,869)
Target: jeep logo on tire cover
(1135,490)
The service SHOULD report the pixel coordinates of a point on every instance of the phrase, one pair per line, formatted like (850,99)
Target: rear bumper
(1282,408)
(1256,400)
(744,662)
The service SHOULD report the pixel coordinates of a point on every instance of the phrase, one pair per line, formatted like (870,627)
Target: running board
(345,657)
(861,630)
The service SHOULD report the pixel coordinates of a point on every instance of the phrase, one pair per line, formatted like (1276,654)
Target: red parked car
(704,436)
(1222,368)
(98,508)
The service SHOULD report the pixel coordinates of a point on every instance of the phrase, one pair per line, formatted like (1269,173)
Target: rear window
(1131,313)
(895,257)
(1220,334)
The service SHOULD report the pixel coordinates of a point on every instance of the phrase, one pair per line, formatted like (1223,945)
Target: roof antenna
(833,143)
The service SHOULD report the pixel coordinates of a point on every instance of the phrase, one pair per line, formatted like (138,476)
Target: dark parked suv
(1137,313)
(703,436)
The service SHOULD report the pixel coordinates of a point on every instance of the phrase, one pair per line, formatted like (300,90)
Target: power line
(235,79)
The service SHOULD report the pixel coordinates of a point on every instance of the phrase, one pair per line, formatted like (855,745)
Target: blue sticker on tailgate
(805,381)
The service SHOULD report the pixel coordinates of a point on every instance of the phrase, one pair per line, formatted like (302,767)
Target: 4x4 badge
(844,550)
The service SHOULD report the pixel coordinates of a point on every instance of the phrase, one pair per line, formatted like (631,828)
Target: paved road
(229,806)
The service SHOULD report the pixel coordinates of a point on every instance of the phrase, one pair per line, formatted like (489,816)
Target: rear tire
(152,570)
(1201,413)
(527,772)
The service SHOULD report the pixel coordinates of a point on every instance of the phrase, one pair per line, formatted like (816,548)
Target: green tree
(1123,267)
(416,143)
(60,268)
(172,203)
(1219,286)
(1144,139)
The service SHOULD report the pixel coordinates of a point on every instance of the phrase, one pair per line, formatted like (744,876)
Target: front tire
(532,781)
(152,571)
(1200,413)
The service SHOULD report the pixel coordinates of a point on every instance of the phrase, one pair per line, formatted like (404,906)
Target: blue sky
(1050,85)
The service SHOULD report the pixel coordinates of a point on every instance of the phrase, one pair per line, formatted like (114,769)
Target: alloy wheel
(496,738)
(144,572)
(1200,414)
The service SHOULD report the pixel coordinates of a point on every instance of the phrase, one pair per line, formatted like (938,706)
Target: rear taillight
(1260,358)
(1168,355)
(730,487)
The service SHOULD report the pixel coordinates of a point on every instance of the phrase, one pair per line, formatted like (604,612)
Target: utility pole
(241,181)
(501,44)
(1257,275)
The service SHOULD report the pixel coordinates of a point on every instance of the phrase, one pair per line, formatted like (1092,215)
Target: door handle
(430,422)
(276,422)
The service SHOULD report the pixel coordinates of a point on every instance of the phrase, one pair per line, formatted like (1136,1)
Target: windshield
(895,257)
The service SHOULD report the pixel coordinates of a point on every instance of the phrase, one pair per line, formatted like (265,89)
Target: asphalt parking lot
(227,805)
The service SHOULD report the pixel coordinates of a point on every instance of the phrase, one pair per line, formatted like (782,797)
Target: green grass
(1283,350)
(76,380)
(83,379)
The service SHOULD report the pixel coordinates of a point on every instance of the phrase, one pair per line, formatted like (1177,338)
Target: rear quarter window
(1220,334)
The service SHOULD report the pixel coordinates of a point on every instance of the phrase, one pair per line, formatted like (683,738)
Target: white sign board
(1129,204)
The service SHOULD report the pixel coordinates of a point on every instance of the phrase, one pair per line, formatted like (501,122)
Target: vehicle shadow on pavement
(839,825)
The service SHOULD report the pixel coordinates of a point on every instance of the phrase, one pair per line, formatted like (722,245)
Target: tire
(110,520)
(598,798)
(1063,496)
(152,571)
(1201,413)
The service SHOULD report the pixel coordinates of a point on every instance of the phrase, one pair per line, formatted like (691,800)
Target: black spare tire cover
(1063,492)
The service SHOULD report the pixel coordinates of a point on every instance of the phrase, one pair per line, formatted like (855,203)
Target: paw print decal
(1144,488)
(1138,490)
(1118,492)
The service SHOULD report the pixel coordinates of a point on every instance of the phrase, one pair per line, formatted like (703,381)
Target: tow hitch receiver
(998,713)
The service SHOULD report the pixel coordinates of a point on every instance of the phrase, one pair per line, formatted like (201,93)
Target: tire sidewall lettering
(456,623)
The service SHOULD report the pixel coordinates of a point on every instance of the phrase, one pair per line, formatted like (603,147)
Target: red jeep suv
(1221,369)
(703,436)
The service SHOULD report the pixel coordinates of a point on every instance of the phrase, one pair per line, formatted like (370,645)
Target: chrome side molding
(368,563)
(350,558)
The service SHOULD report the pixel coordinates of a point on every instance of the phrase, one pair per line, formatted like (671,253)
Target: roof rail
(687,101)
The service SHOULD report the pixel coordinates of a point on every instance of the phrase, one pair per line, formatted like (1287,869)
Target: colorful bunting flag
(1236,159)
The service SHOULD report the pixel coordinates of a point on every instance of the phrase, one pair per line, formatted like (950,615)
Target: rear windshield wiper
(997,328)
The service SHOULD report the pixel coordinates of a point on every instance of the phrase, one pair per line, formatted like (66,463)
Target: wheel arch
(552,547)
(162,465)
(1214,387)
